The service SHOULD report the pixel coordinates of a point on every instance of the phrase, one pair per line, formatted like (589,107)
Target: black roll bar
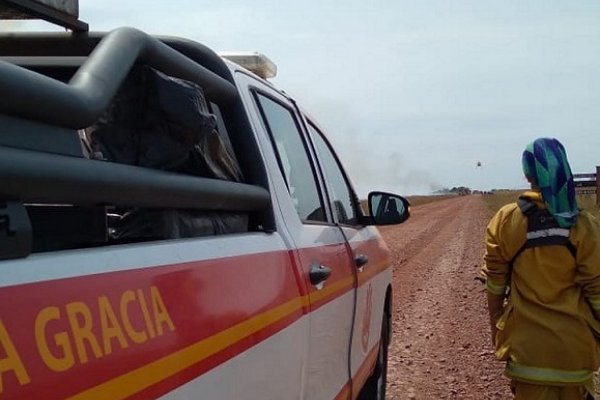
(34,177)
(62,44)
(82,101)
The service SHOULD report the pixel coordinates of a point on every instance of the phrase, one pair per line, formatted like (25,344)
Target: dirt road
(441,346)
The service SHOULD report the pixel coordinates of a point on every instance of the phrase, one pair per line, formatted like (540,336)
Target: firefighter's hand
(495,308)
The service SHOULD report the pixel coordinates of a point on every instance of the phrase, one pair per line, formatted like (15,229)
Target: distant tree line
(460,191)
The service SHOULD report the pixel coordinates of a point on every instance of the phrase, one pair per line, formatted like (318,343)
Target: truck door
(369,256)
(319,246)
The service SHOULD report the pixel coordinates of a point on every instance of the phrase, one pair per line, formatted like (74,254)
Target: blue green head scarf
(545,164)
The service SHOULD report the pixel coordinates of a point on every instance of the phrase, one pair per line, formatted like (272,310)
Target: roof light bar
(254,62)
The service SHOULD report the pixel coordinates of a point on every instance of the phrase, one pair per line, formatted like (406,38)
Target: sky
(412,94)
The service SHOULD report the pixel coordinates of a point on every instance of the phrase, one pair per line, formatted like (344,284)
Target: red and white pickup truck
(173,226)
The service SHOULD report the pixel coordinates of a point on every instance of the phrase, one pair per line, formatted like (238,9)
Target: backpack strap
(527,207)
(542,230)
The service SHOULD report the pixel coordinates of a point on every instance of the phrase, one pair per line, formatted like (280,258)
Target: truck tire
(374,388)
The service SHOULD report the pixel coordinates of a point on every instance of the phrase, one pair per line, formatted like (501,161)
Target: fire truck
(174,226)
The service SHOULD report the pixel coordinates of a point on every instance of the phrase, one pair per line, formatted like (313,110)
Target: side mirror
(388,208)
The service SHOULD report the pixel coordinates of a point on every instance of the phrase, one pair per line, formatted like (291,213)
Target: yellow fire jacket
(549,332)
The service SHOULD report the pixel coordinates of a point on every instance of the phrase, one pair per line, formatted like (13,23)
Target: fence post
(598,185)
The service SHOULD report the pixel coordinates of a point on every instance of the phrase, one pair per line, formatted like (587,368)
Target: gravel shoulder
(441,347)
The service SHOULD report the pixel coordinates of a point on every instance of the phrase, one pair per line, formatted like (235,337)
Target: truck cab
(174,226)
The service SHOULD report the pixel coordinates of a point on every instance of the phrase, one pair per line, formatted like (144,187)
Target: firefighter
(542,272)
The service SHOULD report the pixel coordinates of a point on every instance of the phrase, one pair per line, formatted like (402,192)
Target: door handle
(319,274)
(361,260)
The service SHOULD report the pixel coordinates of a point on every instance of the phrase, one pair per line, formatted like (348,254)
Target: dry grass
(496,200)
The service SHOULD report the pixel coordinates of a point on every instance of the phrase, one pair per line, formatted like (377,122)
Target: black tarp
(161,122)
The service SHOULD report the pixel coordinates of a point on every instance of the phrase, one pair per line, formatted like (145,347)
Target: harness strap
(572,249)
(542,230)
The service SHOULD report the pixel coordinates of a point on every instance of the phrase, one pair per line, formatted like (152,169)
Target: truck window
(293,159)
(340,194)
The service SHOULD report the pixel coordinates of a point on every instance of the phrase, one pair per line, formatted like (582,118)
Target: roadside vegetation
(497,199)
(418,200)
